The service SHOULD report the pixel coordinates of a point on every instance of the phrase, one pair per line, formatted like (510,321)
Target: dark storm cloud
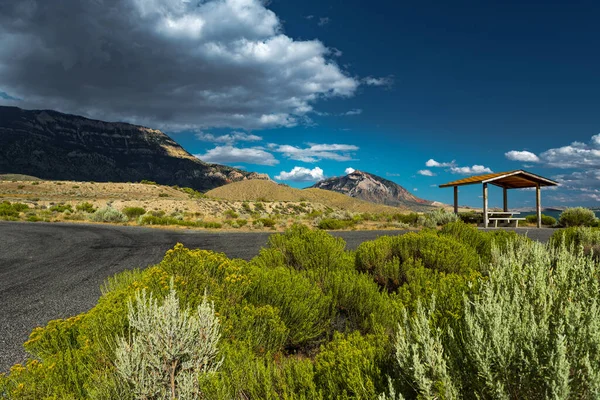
(166,63)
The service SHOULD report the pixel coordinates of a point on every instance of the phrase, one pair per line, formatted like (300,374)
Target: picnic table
(503,216)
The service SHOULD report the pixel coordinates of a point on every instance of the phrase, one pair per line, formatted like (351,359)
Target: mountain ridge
(52,145)
(370,187)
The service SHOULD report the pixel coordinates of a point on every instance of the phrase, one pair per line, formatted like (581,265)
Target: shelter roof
(517,179)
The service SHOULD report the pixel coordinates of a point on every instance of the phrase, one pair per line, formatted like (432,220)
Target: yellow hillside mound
(253,190)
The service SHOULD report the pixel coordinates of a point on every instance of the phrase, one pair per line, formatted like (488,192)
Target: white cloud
(170,64)
(575,155)
(455,169)
(349,170)
(230,138)
(585,157)
(425,172)
(525,156)
(301,174)
(317,152)
(335,52)
(475,169)
(391,174)
(415,190)
(432,163)
(356,111)
(324,21)
(580,180)
(233,155)
(383,81)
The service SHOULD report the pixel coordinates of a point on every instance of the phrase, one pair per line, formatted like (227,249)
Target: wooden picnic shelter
(518,179)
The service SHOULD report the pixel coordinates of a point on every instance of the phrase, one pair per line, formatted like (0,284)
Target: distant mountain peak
(52,145)
(366,186)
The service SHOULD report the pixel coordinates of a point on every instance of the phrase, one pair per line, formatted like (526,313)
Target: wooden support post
(505,193)
(538,205)
(485,205)
(456,200)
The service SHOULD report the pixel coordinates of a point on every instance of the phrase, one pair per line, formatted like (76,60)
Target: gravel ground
(50,271)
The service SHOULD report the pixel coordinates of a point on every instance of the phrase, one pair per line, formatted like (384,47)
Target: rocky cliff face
(371,188)
(52,145)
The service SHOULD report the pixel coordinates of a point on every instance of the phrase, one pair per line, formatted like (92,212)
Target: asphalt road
(50,271)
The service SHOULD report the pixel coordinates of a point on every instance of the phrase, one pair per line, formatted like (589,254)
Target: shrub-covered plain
(439,314)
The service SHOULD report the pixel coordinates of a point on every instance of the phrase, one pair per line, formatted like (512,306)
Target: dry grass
(240,206)
(254,190)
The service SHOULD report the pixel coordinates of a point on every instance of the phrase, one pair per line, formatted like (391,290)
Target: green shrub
(210,225)
(350,366)
(301,248)
(387,258)
(471,217)
(410,219)
(231,214)
(588,239)
(333,224)
(241,222)
(60,208)
(246,207)
(108,214)
(85,207)
(266,222)
(303,308)
(149,219)
(12,210)
(194,194)
(577,216)
(245,375)
(481,242)
(260,328)
(147,182)
(134,212)
(164,195)
(358,303)
(546,219)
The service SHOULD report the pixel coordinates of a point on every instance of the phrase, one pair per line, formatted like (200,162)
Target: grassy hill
(254,190)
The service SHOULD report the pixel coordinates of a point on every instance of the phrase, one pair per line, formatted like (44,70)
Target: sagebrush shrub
(167,348)
(437,218)
(108,214)
(532,331)
(577,216)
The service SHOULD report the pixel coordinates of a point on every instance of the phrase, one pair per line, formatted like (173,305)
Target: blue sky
(420,94)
